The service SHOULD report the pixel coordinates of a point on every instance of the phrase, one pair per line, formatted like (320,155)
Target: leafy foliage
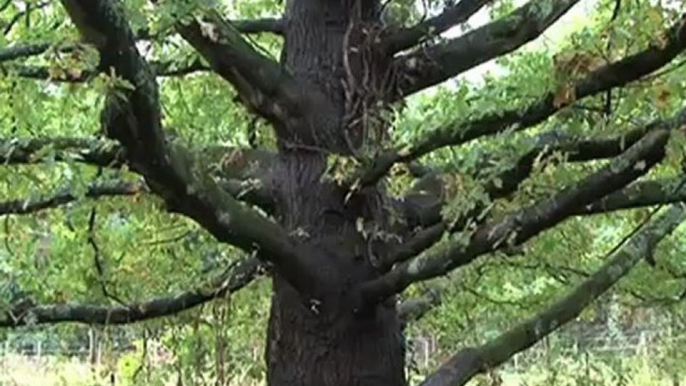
(129,248)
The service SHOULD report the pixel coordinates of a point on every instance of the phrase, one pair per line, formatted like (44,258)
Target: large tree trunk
(327,343)
(332,349)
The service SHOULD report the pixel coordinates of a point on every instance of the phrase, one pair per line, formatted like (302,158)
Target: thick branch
(251,191)
(433,65)
(572,149)
(418,243)
(524,224)
(133,117)
(242,171)
(415,308)
(467,363)
(14,151)
(21,51)
(272,25)
(238,163)
(454,15)
(607,77)
(27,314)
(97,190)
(229,162)
(160,69)
(426,200)
(638,195)
(262,83)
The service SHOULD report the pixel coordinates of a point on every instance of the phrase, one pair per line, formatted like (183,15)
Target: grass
(17,370)
(29,371)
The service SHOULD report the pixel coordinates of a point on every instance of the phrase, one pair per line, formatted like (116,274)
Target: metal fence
(426,350)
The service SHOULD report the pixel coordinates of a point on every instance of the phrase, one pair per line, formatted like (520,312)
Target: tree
(321,202)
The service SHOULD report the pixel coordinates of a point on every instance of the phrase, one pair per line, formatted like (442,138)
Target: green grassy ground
(19,370)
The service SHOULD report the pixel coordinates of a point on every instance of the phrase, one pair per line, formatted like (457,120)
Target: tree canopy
(528,155)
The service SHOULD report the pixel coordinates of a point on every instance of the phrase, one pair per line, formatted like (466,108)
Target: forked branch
(467,363)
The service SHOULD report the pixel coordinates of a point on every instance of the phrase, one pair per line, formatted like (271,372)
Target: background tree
(343,198)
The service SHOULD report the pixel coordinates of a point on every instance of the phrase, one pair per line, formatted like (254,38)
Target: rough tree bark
(331,345)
